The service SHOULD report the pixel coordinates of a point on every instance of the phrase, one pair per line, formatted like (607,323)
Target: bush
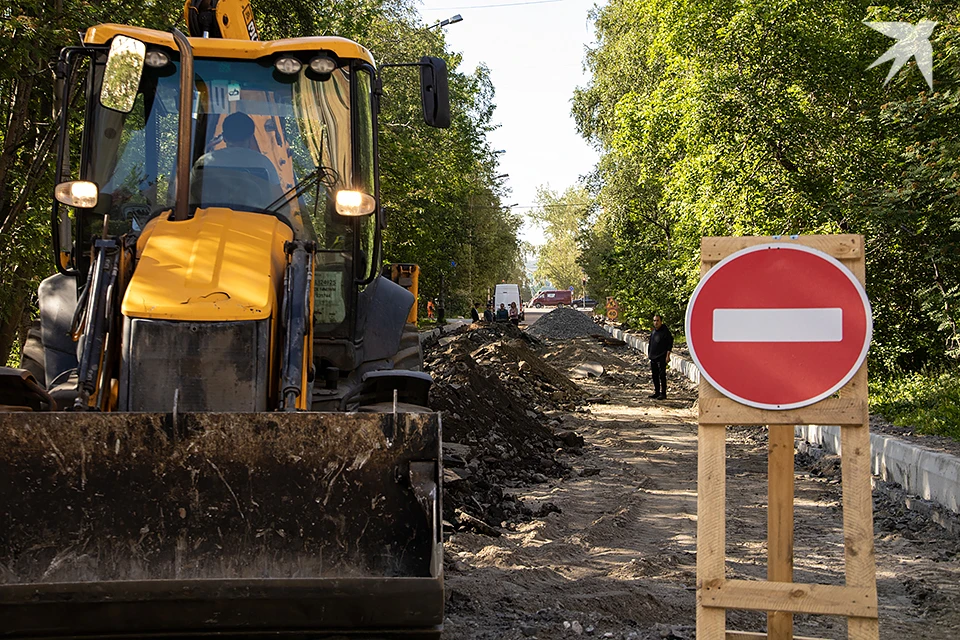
(929,403)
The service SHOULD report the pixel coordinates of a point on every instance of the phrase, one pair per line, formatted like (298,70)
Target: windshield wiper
(325,174)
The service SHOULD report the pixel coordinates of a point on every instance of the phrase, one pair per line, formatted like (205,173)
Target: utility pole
(441,310)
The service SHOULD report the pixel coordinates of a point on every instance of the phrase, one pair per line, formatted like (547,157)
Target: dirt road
(618,559)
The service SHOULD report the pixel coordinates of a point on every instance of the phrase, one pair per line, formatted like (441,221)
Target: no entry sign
(778,326)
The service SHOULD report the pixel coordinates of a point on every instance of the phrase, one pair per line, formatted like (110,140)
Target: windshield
(262,141)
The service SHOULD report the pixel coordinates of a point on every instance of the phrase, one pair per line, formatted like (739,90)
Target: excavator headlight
(77,193)
(355,203)
(156,59)
(323,64)
(288,65)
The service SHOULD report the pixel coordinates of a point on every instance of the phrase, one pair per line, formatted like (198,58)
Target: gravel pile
(494,390)
(564,323)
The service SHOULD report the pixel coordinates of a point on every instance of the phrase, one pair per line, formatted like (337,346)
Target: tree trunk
(10,328)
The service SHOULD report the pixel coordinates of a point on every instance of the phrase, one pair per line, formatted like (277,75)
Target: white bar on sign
(778,325)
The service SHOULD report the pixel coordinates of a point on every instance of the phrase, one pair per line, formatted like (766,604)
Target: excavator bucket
(128,525)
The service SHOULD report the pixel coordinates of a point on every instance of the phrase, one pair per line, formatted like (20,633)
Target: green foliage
(929,403)
(32,33)
(561,216)
(445,207)
(760,118)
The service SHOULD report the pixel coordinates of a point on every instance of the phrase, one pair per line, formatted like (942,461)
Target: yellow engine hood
(220,265)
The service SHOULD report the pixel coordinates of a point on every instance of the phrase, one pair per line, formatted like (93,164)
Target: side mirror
(434,92)
(121,77)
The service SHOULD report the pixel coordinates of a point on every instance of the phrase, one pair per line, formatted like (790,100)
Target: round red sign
(779,326)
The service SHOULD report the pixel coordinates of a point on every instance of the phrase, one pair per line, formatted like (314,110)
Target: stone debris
(564,323)
(587,370)
(497,394)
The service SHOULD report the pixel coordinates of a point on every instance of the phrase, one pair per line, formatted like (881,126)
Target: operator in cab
(237,174)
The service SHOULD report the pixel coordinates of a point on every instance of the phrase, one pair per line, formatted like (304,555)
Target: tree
(445,205)
(761,118)
(561,216)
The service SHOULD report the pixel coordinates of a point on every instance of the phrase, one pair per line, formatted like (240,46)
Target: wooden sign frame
(779,596)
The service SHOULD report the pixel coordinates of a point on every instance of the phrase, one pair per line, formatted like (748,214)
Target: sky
(534,50)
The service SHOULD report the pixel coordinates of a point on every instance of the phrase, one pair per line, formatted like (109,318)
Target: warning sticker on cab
(328,303)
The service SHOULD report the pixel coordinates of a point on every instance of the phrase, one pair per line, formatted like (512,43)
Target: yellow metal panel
(224,48)
(408,276)
(220,265)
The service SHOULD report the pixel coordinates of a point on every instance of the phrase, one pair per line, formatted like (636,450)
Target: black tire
(538,305)
(31,358)
(410,354)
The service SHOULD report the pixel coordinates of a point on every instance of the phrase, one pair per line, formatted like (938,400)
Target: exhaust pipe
(184,142)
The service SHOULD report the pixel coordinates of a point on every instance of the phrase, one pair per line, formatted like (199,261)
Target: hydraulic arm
(231,19)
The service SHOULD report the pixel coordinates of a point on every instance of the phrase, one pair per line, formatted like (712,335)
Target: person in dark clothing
(488,313)
(502,315)
(474,313)
(661,344)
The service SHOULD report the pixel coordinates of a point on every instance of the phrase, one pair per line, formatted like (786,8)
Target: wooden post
(711,524)
(859,553)
(779,596)
(780,522)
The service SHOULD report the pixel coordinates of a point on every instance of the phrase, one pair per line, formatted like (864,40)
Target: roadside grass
(424,323)
(928,403)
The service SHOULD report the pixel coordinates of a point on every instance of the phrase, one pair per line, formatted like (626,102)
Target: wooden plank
(848,408)
(839,411)
(858,268)
(863,629)
(711,524)
(857,505)
(860,602)
(857,386)
(842,247)
(780,522)
(858,522)
(759,635)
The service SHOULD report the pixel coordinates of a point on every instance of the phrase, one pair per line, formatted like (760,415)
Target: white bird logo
(912,41)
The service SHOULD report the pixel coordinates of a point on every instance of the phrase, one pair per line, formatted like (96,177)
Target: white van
(505,294)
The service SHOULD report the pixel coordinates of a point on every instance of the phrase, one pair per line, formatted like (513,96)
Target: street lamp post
(451,20)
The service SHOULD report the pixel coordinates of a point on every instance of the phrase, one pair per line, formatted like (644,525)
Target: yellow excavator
(221,426)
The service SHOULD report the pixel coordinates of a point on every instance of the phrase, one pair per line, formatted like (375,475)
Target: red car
(556,298)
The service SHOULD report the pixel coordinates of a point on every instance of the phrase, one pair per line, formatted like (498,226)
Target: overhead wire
(492,6)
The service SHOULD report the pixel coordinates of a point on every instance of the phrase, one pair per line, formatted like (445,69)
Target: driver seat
(218,185)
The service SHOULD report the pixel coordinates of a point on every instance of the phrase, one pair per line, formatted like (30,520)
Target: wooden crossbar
(793,597)
(836,411)
(754,635)
(842,247)
(779,596)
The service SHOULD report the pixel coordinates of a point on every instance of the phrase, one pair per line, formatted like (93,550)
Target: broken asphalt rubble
(498,397)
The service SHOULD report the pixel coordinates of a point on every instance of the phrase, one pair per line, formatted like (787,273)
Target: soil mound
(564,323)
(494,390)
(570,353)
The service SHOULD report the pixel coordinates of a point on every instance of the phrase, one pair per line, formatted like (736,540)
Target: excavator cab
(234,434)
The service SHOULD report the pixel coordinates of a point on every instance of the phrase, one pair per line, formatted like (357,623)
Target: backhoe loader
(223,426)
